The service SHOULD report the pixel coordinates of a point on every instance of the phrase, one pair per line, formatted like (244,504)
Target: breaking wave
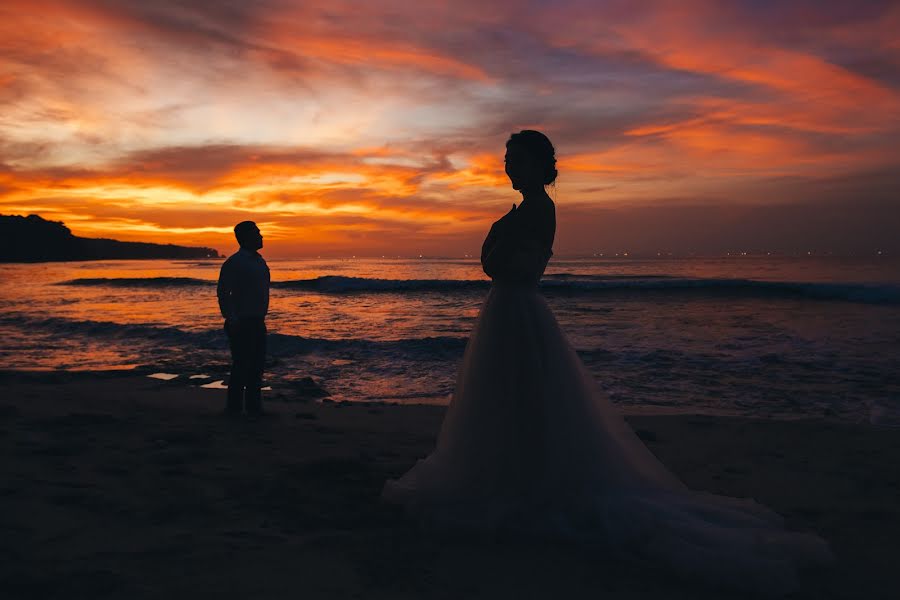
(563,283)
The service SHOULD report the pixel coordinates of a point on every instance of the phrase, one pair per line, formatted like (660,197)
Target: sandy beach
(116,486)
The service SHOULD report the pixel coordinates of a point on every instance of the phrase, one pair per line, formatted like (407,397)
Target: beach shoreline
(118,485)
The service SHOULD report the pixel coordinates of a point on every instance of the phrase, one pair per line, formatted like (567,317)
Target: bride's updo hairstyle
(538,146)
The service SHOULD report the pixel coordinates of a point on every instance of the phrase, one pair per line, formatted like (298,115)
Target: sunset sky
(378,127)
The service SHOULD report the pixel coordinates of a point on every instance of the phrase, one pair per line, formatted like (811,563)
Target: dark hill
(33,239)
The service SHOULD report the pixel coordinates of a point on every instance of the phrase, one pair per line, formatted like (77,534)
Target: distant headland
(34,239)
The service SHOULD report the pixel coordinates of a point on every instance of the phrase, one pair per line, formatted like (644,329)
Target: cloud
(201,192)
(353,122)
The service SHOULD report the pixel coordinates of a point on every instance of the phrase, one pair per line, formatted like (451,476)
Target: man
(243,293)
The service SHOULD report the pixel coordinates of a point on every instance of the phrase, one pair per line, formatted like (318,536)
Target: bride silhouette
(530,443)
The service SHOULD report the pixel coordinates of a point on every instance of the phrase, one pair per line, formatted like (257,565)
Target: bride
(530,443)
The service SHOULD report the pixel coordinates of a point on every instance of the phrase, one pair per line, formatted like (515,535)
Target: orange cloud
(375,53)
(194,195)
(364,126)
(819,95)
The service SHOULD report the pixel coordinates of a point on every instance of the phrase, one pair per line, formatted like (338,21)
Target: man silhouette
(243,293)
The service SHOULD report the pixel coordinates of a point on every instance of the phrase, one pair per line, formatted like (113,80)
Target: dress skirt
(531,444)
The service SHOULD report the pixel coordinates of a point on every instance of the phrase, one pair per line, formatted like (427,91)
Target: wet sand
(118,486)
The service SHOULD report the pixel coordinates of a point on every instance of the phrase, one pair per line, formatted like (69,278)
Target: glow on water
(750,352)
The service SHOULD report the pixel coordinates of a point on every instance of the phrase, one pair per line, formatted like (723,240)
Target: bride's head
(530,160)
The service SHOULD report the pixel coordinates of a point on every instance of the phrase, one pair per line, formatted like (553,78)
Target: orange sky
(378,128)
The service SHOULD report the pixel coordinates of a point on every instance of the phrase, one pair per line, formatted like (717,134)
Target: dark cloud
(860,228)
(849,214)
(733,111)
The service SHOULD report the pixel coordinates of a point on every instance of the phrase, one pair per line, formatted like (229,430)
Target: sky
(378,128)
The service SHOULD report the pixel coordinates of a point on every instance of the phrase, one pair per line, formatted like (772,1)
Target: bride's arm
(498,231)
(515,258)
(490,243)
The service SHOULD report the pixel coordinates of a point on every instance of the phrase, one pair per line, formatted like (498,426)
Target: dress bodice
(519,245)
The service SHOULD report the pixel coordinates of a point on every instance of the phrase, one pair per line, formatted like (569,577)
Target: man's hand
(231,324)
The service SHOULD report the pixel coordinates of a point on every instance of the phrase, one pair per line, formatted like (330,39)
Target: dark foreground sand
(127,487)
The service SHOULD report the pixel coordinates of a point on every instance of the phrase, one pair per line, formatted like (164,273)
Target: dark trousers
(247,339)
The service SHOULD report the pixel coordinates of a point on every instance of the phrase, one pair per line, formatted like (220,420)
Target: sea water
(764,336)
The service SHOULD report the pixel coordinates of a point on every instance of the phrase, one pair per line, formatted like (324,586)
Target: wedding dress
(530,443)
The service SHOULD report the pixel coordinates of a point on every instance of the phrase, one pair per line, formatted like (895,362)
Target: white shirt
(243,288)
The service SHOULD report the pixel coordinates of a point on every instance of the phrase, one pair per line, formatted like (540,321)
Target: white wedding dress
(531,444)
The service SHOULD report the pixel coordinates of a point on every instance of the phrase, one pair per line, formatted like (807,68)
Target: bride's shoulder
(546,213)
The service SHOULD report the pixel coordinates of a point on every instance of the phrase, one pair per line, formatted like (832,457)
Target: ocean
(772,337)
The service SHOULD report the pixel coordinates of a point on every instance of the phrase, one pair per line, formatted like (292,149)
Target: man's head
(248,235)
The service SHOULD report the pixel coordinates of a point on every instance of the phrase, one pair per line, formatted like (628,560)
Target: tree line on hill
(34,239)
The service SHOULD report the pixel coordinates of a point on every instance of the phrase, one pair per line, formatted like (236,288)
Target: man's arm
(224,291)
